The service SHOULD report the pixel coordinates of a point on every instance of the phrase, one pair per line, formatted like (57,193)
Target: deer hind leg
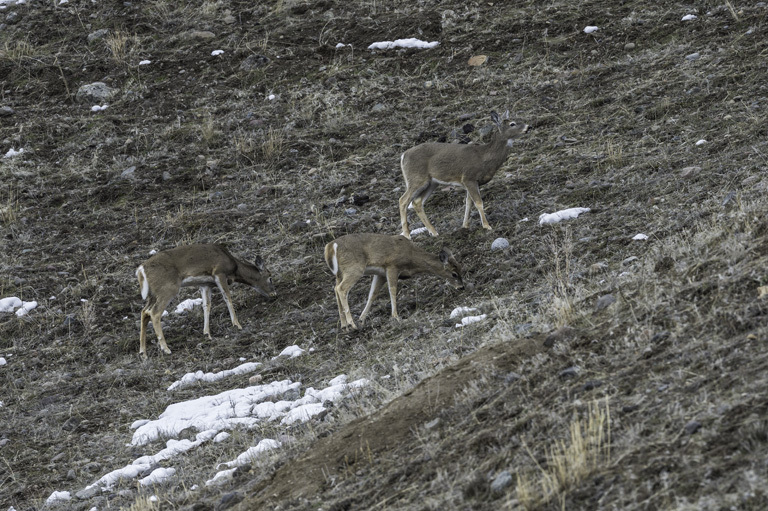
(418,205)
(206,292)
(155,313)
(473,192)
(221,282)
(392,275)
(412,190)
(376,284)
(342,292)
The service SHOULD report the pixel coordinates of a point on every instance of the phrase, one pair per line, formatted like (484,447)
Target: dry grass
(17,51)
(569,463)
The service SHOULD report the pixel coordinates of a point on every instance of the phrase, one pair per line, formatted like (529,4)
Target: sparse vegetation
(279,154)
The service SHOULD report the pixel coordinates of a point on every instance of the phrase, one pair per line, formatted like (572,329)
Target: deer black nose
(527,128)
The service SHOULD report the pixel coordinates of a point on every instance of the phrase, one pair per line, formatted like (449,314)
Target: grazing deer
(383,256)
(162,275)
(431,164)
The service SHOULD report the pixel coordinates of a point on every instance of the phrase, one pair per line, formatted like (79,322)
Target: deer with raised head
(385,257)
(204,265)
(431,164)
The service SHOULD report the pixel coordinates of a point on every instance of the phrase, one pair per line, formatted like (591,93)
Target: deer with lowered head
(385,257)
(468,165)
(204,265)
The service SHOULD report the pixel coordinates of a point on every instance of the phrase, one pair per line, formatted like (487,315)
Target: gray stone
(629,46)
(693,56)
(13,18)
(128,173)
(570,372)
(629,260)
(692,427)
(97,92)
(500,244)
(690,171)
(253,62)
(88,493)
(98,35)
(604,301)
(433,423)
(501,481)
(6,111)
(378,107)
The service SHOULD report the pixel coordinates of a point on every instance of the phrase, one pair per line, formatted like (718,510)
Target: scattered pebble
(145,62)
(693,56)
(589,29)
(701,142)
(216,53)
(640,236)
(501,481)
(500,244)
(689,17)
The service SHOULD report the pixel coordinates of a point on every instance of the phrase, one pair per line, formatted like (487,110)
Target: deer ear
(445,256)
(495,118)
(505,116)
(258,262)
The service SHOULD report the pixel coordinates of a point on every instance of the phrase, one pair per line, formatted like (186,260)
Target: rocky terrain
(609,372)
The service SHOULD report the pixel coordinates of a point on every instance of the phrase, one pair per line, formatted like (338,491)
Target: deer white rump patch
(142,276)
(334,259)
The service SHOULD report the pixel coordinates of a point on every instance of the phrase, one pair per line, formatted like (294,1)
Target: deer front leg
(392,275)
(473,192)
(206,292)
(378,280)
(221,282)
(405,200)
(418,205)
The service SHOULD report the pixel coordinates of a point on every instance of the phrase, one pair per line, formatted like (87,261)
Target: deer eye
(455,275)
(512,124)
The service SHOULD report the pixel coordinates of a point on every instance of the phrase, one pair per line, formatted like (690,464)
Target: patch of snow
(340,45)
(640,236)
(271,97)
(188,305)
(524,219)
(471,319)
(221,477)
(252,453)
(420,230)
(462,311)
(689,17)
(25,308)
(3,361)
(403,43)
(58,496)
(589,29)
(221,437)
(152,252)
(158,476)
(145,62)
(9,304)
(97,108)
(216,53)
(190,378)
(138,423)
(13,153)
(565,214)
(701,142)
(291,352)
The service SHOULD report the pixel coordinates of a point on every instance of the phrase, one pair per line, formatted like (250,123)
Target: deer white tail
(143,282)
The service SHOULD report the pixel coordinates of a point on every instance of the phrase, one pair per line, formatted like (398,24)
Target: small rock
(511,377)
(71,475)
(166,176)
(358,199)
(570,372)
(660,336)
(88,493)
(128,173)
(501,481)
(378,107)
(95,93)
(629,46)
(93,467)
(629,260)
(467,129)
(690,171)
(253,62)
(97,35)
(500,244)
(591,385)
(229,20)
(693,57)
(433,423)
(692,427)
(6,111)
(255,379)
(604,301)
(13,18)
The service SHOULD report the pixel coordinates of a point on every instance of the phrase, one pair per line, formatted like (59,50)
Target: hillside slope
(609,372)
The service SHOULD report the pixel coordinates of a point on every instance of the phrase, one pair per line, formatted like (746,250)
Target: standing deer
(431,164)
(383,256)
(162,275)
